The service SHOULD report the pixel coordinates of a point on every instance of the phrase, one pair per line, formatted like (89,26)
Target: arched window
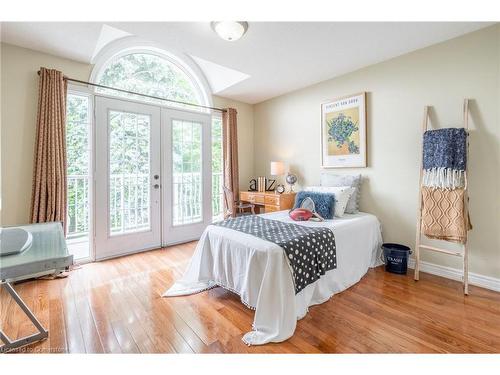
(151,72)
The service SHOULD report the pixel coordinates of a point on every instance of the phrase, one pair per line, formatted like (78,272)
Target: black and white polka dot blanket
(310,251)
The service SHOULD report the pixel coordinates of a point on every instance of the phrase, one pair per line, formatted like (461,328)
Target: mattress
(258,271)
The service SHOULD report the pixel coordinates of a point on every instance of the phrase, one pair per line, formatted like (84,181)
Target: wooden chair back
(228,200)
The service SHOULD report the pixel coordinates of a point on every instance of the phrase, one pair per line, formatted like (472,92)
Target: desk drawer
(272,200)
(251,197)
(272,208)
(245,196)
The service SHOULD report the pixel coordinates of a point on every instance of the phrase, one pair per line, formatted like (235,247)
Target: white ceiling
(277,57)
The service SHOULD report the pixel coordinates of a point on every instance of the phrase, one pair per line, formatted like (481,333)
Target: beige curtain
(230,155)
(48,197)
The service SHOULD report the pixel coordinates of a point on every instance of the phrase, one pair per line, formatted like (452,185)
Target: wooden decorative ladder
(464,254)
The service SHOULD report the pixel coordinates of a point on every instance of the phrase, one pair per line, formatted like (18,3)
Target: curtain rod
(145,95)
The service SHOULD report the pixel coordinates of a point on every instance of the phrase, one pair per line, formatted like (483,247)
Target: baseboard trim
(476,279)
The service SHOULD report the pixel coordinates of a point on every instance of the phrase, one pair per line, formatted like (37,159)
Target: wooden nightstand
(268,201)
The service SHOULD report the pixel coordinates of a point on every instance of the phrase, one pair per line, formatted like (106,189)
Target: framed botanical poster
(343,132)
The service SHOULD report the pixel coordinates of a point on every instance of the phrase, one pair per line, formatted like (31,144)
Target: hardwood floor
(115,306)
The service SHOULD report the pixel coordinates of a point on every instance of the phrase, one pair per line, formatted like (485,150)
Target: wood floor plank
(74,336)
(8,322)
(347,322)
(409,324)
(90,334)
(100,305)
(161,323)
(57,329)
(428,310)
(41,311)
(28,294)
(137,324)
(116,306)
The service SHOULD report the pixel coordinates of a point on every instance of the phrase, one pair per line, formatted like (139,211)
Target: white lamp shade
(277,168)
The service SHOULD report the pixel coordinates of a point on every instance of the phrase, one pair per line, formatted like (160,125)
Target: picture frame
(343,132)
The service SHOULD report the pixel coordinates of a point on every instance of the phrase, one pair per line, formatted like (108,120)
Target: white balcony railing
(78,206)
(130,203)
(217,196)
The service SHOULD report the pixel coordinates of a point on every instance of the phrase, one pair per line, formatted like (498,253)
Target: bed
(259,272)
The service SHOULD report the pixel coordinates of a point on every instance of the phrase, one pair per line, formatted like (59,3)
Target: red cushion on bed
(300,214)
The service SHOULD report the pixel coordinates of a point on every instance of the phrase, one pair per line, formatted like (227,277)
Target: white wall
(288,128)
(19,97)
(19,92)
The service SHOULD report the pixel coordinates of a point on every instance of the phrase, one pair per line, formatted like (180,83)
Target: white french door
(153,176)
(187,175)
(127,177)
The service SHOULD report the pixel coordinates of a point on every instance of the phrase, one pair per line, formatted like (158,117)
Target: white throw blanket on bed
(258,271)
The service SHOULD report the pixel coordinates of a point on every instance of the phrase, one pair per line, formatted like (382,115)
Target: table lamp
(278,169)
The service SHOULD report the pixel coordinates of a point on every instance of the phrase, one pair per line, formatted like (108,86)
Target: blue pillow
(323,202)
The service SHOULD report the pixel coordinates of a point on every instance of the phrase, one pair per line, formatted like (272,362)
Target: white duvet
(259,272)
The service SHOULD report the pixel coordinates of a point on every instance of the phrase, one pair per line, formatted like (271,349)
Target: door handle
(156,177)
(156,186)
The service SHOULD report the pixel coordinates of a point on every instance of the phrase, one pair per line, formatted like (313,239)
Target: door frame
(164,109)
(89,93)
(171,234)
(140,240)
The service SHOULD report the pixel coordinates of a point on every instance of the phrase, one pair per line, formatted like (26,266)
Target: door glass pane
(217,193)
(78,174)
(129,172)
(187,174)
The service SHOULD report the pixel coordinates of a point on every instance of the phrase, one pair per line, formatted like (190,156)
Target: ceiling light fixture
(230,30)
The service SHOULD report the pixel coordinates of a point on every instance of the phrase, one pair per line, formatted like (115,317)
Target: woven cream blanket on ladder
(443,185)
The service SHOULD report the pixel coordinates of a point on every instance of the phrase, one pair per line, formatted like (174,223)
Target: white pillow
(342,195)
(328,179)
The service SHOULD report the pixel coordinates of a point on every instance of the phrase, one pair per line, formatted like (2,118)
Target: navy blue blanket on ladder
(444,158)
(310,251)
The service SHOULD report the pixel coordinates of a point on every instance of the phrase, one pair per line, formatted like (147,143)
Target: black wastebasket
(396,257)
